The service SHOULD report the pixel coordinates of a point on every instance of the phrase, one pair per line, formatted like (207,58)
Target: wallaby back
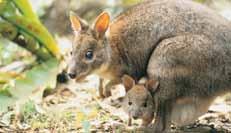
(137,32)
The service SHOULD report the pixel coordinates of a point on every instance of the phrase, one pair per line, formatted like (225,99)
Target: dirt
(76,108)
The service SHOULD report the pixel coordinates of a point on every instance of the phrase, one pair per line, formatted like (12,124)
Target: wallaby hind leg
(187,110)
(163,117)
(192,65)
(189,66)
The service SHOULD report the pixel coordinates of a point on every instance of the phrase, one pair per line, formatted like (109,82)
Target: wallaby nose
(72,75)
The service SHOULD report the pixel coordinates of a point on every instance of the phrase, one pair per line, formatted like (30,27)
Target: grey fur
(183,44)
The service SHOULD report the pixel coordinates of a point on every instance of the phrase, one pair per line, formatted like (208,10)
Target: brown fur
(185,110)
(138,102)
(186,95)
(184,45)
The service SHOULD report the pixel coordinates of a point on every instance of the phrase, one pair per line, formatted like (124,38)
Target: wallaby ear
(101,24)
(75,23)
(128,82)
(152,85)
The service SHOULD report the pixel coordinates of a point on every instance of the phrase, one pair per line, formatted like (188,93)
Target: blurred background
(35,94)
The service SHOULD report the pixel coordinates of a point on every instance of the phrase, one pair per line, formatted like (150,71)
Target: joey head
(138,102)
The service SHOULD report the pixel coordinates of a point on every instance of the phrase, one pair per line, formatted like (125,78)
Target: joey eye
(145,104)
(71,52)
(129,103)
(89,54)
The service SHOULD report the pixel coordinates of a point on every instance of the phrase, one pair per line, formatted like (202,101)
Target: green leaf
(36,79)
(31,84)
(3,4)
(7,30)
(7,7)
(26,9)
(5,102)
(131,2)
(35,29)
(7,76)
(34,47)
(27,22)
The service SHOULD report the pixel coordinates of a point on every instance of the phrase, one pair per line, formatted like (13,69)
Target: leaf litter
(77,108)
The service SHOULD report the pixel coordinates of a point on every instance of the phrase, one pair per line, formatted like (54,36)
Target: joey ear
(77,24)
(101,24)
(152,85)
(128,82)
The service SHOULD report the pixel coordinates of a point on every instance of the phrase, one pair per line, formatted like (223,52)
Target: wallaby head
(89,49)
(138,101)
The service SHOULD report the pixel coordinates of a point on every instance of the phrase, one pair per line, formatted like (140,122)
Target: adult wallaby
(183,44)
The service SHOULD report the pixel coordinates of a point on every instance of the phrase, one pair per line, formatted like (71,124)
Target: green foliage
(131,2)
(25,8)
(28,110)
(9,52)
(18,23)
(8,30)
(19,15)
(31,85)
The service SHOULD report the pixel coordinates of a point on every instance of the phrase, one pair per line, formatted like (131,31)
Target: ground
(76,108)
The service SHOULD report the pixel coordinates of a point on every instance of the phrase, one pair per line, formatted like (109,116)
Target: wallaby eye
(89,54)
(129,103)
(145,104)
(71,52)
